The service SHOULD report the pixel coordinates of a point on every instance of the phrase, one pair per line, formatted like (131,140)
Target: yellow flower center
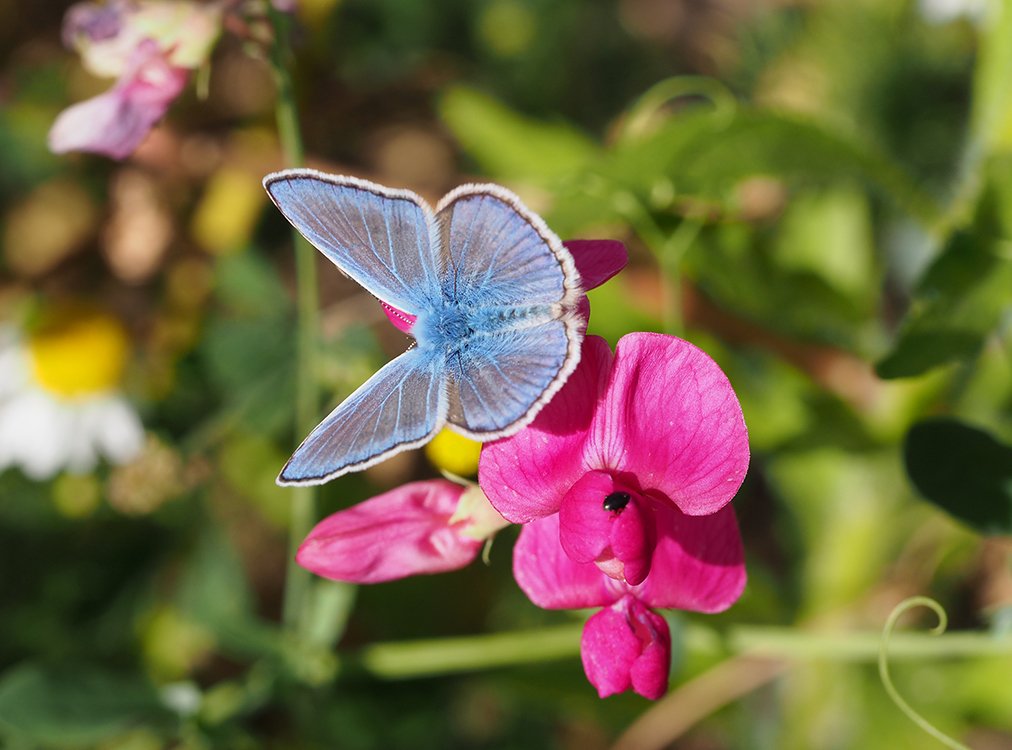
(454,453)
(78,354)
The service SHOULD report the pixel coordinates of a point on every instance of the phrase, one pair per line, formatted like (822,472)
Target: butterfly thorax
(453,326)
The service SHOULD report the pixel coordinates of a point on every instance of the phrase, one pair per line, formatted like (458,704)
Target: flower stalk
(429,658)
(298,582)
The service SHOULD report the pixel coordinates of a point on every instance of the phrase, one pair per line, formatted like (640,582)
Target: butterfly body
(457,326)
(489,295)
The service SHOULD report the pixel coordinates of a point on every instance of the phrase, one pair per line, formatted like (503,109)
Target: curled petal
(670,417)
(597,260)
(527,475)
(551,578)
(698,563)
(604,522)
(627,646)
(404,532)
(584,525)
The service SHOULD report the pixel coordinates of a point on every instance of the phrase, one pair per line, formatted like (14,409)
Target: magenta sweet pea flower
(623,482)
(423,527)
(596,260)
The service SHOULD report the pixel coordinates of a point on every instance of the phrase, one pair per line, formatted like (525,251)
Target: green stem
(427,658)
(298,582)
(668,249)
(438,656)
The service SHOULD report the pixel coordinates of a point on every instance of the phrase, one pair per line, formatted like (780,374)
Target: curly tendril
(883,664)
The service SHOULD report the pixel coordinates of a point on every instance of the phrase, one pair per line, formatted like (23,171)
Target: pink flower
(150,47)
(596,260)
(423,527)
(623,482)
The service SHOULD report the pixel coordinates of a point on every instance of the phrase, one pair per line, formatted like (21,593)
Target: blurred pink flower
(424,527)
(596,260)
(115,123)
(150,47)
(623,482)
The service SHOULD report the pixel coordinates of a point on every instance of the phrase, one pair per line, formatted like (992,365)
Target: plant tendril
(883,664)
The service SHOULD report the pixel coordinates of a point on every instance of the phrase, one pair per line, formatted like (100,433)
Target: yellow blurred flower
(60,408)
(454,453)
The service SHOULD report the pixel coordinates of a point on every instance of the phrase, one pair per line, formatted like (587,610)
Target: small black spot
(616,501)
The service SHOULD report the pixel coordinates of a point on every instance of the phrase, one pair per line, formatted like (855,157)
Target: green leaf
(963,470)
(69,707)
(213,587)
(509,146)
(704,154)
(246,284)
(958,303)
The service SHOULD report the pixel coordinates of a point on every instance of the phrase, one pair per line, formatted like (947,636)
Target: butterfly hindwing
(497,384)
(402,406)
(381,238)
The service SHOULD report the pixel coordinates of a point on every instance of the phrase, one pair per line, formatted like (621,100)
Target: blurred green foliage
(817,193)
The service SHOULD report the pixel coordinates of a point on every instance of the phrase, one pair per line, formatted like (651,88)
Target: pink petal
(670,418)
(627,646)
(698,563)
(553,580)
(404,532)
(402,321)
(115,123)
(597,260)
(526,476)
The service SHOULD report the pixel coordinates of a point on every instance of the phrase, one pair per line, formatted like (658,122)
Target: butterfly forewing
(494,252)
(402,406)
(379,237)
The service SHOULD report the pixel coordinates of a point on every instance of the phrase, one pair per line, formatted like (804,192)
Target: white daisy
(59,404)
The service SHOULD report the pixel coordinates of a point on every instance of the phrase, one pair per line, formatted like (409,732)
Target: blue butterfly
(494,293)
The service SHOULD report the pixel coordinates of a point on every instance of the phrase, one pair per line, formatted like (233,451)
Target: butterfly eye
(616,501)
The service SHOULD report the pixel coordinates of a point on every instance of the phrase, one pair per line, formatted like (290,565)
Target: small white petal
(37,430)
(14,370)
(118,433)
(83,420)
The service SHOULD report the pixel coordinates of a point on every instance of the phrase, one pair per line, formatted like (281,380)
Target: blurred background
(816,192)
